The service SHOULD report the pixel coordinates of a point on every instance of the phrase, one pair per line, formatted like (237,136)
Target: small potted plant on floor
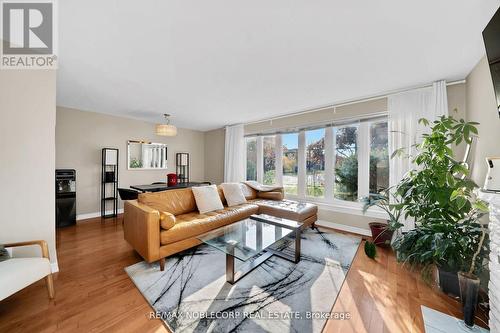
(382,232)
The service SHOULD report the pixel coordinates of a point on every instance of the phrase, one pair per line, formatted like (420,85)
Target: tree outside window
(251,158)
(346,164)
(290,158)
(315,159)
(269,146)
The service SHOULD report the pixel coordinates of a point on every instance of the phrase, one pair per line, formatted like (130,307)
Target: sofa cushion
(207,199)
(193,224)
(180,201)
(248,192)
(167,220)
(273,195)
(288,209)
(233,194)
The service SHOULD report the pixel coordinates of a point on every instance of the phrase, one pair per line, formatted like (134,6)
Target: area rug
(192,295)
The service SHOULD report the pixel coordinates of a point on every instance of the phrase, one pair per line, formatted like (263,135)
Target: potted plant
(469,281)
(382,232)
(448,246)
(441,201)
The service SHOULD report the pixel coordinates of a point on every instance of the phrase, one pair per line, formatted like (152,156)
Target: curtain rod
(350,102)
(373,117)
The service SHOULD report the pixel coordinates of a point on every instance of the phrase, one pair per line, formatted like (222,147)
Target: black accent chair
(128,194)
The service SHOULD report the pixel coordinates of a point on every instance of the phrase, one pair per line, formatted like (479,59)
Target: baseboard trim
(80,217)
(343,227)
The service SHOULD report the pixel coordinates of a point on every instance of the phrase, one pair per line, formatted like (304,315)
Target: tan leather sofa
(160,224)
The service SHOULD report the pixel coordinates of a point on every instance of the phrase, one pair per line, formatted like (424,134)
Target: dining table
(156,187)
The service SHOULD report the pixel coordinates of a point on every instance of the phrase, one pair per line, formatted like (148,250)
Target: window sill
(341,206)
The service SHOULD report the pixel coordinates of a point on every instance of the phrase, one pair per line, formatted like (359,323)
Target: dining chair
(128,194)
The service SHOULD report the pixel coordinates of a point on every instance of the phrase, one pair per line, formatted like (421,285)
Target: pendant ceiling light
(166,129)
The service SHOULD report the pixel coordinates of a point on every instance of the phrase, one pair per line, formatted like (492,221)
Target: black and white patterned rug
(192,295)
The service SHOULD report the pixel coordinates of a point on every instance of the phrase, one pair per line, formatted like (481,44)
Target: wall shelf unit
(109,183)
(182,167)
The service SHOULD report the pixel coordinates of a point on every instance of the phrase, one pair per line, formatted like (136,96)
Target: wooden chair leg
(50,285)
(162,264)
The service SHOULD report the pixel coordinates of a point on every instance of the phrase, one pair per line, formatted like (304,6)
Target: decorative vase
(171,179)
(380,234)
(469,290)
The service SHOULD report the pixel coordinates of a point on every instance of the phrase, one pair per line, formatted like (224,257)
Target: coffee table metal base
(233,276)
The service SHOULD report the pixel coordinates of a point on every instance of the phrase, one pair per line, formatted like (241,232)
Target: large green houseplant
(440,197)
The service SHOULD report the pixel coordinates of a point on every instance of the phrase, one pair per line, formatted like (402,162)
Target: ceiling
(219,62)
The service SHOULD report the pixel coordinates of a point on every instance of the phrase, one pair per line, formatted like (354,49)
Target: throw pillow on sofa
(233,194)
(207,198)
(167,220)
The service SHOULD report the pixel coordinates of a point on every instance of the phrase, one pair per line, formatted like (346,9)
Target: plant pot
(380,234)
(469,290)
(448,282)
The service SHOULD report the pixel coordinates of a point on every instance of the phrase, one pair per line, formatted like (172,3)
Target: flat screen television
(491,36)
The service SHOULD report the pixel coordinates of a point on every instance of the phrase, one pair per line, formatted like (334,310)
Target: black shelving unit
(109,182)
(182,167)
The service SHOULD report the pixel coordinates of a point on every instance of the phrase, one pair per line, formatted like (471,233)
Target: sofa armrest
(277,194)
(41,243)
(141,228)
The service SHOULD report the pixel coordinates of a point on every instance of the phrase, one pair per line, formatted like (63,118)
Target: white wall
(481,107)
(80,136)
(27,156)
(214,155)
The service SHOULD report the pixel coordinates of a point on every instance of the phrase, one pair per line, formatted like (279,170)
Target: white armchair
(18,273)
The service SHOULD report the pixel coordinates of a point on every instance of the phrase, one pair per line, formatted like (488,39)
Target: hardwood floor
(93,292)
(383,296)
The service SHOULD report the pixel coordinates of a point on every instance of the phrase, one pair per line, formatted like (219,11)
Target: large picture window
(290,143)
(327,164)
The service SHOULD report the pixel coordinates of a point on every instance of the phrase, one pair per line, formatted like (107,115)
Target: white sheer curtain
(405,109)
(234,154)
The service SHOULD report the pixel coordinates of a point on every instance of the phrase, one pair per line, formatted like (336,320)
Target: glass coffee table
(253,238)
